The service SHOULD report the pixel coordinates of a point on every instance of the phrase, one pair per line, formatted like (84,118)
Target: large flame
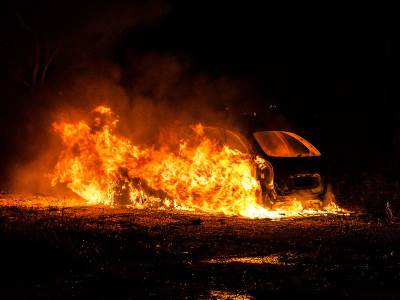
(104,167)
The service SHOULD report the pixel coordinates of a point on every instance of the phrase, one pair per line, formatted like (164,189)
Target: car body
(285,164)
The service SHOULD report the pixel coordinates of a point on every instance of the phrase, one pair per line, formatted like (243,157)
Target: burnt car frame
(285,164)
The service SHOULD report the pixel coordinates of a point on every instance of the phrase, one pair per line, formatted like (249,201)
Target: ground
(57,252)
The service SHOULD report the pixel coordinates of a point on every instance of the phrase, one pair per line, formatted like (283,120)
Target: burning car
(285,164)
(204,168)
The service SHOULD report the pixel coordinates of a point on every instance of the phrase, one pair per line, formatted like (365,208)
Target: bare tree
(42,59)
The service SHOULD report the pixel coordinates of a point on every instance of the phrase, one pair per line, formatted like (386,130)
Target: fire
(196,173)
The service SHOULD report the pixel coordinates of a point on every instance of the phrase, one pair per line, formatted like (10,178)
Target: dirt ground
(56,252)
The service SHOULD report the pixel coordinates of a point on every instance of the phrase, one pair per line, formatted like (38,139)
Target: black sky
(329,70)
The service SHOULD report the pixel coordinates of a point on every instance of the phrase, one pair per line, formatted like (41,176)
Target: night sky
(327,70)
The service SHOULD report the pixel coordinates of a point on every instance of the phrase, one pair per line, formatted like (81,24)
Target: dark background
(329,73)
(328,70)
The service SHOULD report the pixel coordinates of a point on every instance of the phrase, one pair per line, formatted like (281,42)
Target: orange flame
(106,168)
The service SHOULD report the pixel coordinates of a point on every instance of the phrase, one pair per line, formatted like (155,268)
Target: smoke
(151,92)
(164,91)
(49,47)
(162,96)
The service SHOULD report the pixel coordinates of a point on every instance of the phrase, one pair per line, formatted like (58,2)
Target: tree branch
(46,66)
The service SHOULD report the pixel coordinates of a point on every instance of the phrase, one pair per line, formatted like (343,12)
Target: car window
(284,144)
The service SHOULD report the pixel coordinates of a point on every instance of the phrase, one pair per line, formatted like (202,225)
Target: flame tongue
(105,168)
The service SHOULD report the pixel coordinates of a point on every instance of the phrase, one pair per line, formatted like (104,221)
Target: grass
(96,252)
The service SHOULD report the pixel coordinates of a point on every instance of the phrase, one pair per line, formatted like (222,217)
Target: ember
(104,167)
